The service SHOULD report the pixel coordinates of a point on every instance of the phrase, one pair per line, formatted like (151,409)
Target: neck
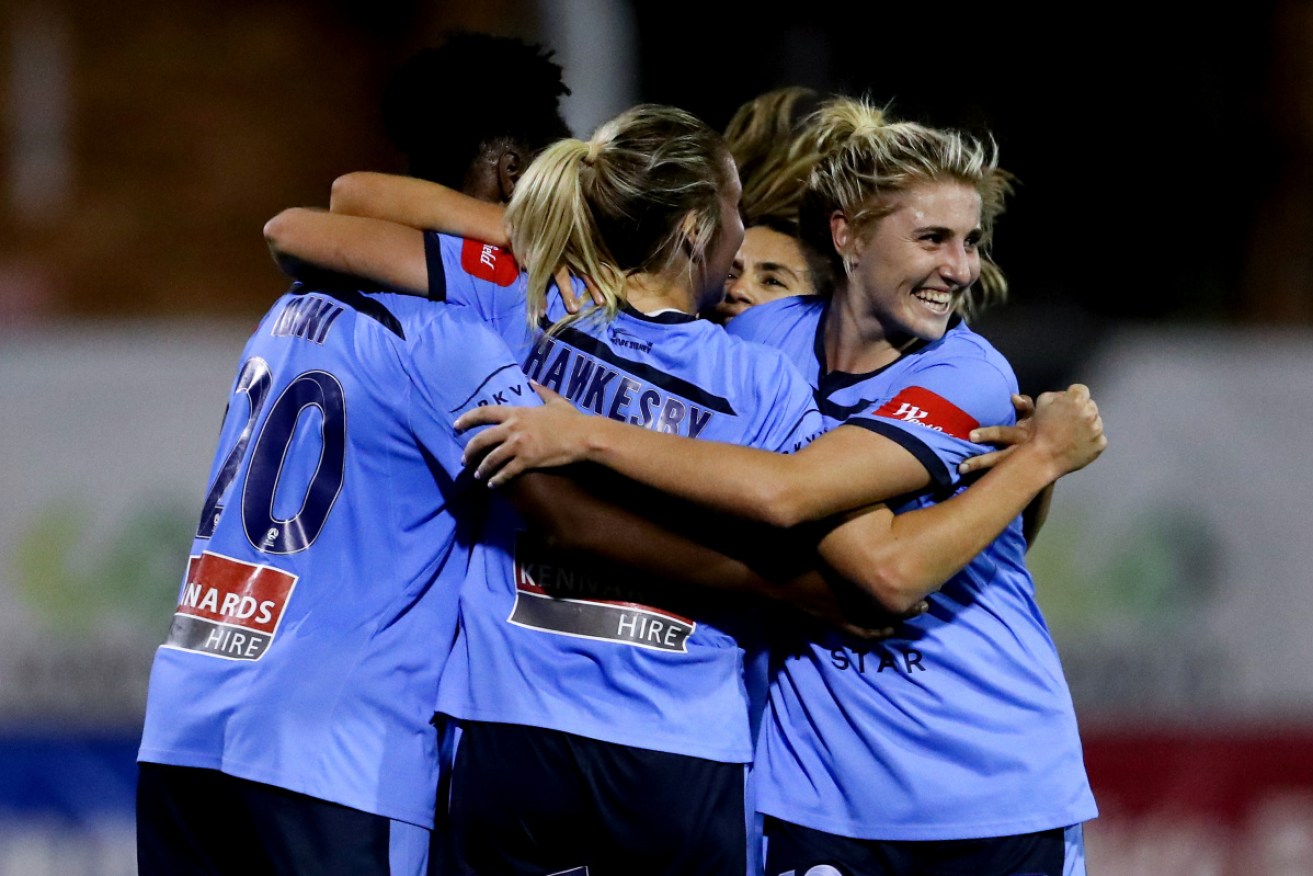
(649,293)
(855,340)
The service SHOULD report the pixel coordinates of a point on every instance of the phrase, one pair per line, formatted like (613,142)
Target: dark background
(1162,153)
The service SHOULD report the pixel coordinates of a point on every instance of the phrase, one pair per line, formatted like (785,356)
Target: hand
(878,624)
(565,286)
(1008,437)
(1068,429)
(521,438)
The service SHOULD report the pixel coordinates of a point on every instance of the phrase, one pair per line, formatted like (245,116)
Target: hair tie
(594,149)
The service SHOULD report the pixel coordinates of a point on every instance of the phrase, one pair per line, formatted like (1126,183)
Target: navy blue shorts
(792,850)
(200,821)
(531,802)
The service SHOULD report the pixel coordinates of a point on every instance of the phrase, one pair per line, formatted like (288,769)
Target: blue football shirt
(320,598)
(961,725)
(547,646)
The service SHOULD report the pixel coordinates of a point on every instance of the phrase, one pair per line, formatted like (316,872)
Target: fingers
(546,394)
(482,416)
(568,298)
(499,466)
(984,461)
(1024,405)
(483,442)
(1008,435)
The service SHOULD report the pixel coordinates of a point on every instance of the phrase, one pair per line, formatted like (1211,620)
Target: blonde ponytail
(627,202)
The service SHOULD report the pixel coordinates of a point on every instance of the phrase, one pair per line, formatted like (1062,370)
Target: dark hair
(443,105)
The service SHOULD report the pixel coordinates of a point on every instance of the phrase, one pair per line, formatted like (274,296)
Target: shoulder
(764,371)
(776,319)
(971,356)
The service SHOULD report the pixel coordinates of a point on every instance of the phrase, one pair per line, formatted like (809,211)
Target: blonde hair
(866,159)
(642,192)
(770,139)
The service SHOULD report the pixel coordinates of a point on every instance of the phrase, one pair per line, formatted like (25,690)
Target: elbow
(897,585)
(275,231)
(776,503)
(345,196)
(280,232)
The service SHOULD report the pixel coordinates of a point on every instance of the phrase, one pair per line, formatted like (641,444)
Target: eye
(973,239)
(932,237)
(775,281)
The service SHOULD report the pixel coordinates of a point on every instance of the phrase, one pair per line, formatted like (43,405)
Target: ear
(510,164)
(687,230)
(841,233)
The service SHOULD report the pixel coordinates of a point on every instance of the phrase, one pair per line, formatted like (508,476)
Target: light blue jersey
(543,644)
(960,726)
(320,599)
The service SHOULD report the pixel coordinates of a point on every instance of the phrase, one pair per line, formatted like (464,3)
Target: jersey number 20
(266,531)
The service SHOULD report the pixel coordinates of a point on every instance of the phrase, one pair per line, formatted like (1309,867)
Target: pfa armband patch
(924,408)
(488,262)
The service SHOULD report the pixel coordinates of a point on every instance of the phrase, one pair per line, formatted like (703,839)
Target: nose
(736,290)
(960,265)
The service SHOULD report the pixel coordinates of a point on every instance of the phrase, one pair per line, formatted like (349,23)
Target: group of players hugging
(559,525)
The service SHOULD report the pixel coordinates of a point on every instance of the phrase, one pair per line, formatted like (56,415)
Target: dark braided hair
(443,105)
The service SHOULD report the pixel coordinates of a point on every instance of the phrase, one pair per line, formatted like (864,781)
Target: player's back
(314,615)
(597,658)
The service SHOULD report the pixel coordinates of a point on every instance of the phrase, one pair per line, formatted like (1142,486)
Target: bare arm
(419,204)
(382,252)
(577,522)
(841,471)
(899,559)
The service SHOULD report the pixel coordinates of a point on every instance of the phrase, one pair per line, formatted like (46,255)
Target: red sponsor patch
(228,591)
(923,407)
(488,262)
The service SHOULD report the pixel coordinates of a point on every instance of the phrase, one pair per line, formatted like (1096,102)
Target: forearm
(898,559)
(1036,513)
(385,253)
(748,483)
(419,204)
(577,522)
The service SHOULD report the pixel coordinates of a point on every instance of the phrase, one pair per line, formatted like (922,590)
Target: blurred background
(1160,249)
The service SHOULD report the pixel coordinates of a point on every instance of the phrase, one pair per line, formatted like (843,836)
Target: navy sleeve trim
(937,468)
(437,271)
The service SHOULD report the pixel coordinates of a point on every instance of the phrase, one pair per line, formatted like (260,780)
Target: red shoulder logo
(923,407)
(488,262)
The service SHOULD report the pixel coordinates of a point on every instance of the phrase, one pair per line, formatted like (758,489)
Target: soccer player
(614,690)
(953,746)
(288,724)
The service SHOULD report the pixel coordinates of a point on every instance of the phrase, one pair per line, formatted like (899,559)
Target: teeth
(934,299)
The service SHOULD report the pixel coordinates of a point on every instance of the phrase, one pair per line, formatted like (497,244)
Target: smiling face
(769,265)
(914,265)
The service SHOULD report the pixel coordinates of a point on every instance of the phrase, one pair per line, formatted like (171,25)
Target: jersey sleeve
(931,411)
(459,365)
(477,275)
(790,418)
(761,323)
